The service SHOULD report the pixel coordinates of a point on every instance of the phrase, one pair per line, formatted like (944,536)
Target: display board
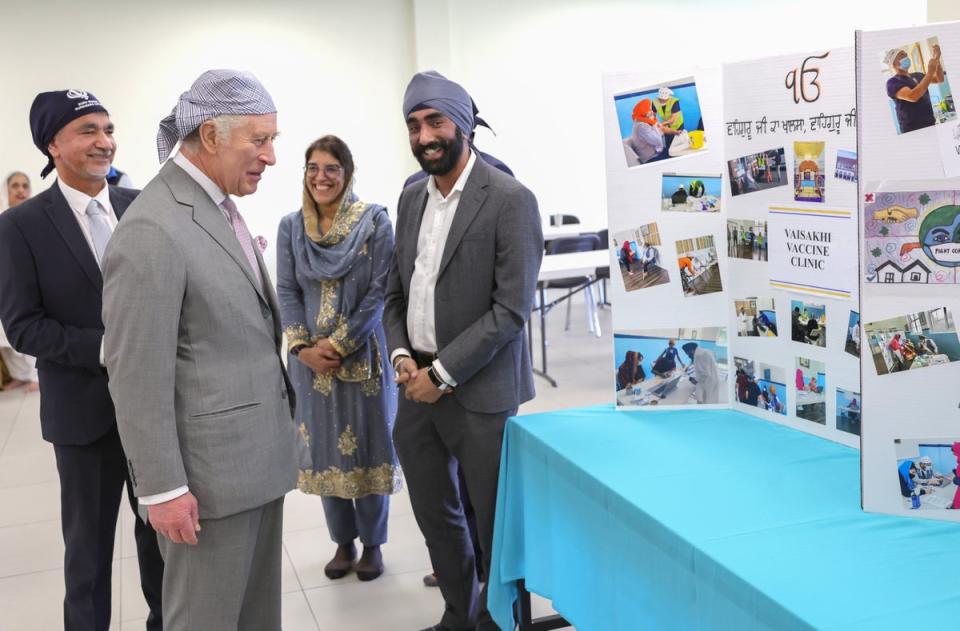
(667,246)
(909,148)
(791,235)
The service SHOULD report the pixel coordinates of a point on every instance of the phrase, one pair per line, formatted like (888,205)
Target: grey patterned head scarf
(214,93)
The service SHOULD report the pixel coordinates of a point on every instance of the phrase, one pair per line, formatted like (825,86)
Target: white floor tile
(30,503)
(31,548)
(401,603)
(302,512)
(296,614)
(29,468)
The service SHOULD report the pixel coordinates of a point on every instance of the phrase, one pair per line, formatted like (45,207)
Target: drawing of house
(890,272)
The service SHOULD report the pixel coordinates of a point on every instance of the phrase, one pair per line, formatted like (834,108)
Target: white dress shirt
(78,203)
(438,216)
(217,195)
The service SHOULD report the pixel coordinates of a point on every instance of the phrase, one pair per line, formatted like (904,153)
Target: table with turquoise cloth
(707,520)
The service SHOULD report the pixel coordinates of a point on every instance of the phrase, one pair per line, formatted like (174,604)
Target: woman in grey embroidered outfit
(332,261)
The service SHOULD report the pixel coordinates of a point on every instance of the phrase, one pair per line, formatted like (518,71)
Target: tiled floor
(31,547)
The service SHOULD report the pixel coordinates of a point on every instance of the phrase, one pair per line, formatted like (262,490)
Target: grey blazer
(485,289)
(192,346)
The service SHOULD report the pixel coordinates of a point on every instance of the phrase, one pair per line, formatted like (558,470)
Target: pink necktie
(243,236)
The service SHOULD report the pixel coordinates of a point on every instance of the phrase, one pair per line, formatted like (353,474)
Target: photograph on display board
(811,390)
(809,171)
(756,317)
(690,193)
(912,237)
(927,471)
(758,172)
(638,252)
(918,89)
(764,389)
(916,340)
(846,168)
(747,239)
(660,122)
(671,366)
(852,343)
(848,411)
(699,266)
(808,323)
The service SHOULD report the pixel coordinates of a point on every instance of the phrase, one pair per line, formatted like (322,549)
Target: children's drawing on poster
(811,386)
(852,343)
(848,411)
(846,168)
(671,366)
(927,472)
(918,89)
(660,122)
(764,389)
(757,172)
(912,237)
(747,239)
(692,193)
(638,252)
(912,341)
(808,323)
(699,266)
(756,317)
(809,176)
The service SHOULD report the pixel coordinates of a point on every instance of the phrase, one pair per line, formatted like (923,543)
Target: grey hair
(224,125)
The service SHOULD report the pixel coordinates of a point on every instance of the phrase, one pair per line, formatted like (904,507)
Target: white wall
(534,68)
(332,67)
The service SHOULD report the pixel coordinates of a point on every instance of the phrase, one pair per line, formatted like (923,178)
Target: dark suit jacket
(485,289)
(50,301)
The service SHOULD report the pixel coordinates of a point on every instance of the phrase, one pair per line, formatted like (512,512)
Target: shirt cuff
(160,498)
(102,356)
(443,374)
(398,353)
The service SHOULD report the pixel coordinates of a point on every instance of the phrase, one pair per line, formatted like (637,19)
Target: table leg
(524,613)
(543,340)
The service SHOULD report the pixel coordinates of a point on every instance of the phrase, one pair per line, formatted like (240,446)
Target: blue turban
(52,111)
(432,89)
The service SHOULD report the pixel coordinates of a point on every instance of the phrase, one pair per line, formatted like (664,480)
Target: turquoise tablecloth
(707,520)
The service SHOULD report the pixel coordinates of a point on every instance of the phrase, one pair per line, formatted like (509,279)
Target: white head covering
(214,93)
(664,93)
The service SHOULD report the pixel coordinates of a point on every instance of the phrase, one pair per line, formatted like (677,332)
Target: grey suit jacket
(485,289)
(192,346)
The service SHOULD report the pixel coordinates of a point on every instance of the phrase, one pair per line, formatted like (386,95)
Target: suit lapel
(118,202)
(210,218)
(410,258)
(472,198)
(65,221)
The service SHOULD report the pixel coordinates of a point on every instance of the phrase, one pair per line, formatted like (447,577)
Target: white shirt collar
(78,200)
(461,182)
(201,178)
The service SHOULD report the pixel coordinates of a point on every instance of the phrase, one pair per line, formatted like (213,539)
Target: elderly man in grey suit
(469,246)
(192,342)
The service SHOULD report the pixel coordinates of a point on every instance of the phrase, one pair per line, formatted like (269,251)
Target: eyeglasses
(331,170)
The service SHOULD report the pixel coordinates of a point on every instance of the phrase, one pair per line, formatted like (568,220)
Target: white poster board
(790,164)
(909,280)
(667,252)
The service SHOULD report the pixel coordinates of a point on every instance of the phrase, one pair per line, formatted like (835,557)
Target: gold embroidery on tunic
(347,443)
(305,433)
(335,482)
(297,334)
(323,383)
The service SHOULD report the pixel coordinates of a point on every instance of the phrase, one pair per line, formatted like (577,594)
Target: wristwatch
(295,351)
(437,381)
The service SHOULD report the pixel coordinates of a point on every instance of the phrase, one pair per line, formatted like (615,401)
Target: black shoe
(342,562)
(430,580)
(370,565)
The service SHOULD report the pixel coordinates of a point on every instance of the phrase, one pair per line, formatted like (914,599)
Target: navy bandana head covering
(52,111)
(432,89)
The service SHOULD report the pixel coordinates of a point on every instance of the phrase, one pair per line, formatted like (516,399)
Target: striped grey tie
(100,229)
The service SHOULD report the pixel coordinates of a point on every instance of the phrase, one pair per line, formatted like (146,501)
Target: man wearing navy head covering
(460,290)
(204,405)
(51,255)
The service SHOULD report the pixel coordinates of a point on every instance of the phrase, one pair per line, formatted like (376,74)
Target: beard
(452,150)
